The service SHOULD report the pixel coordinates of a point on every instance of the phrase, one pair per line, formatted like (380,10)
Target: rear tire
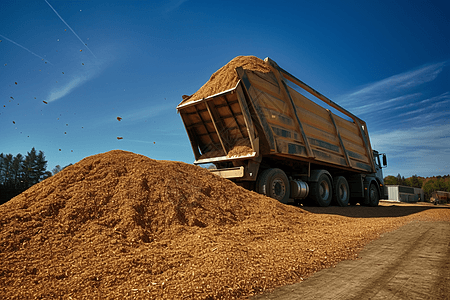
(321,191)
(341,191)
(275,184)
(372,196)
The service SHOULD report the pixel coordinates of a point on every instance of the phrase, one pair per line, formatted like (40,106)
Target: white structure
(402,193)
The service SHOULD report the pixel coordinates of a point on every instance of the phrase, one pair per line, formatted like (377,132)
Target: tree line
(18,173)
(429,185)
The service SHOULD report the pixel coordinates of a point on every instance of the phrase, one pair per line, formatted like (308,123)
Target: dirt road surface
(412,262)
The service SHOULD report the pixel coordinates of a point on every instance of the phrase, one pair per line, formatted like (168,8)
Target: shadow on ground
(382,211)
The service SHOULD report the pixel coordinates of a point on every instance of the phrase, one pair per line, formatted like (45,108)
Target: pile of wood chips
(119,225)
(226,78)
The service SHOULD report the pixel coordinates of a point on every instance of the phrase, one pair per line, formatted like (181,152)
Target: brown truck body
(265,122)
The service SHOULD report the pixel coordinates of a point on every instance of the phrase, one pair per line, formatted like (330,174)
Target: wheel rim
(278,189)
(373,194)
(324,190)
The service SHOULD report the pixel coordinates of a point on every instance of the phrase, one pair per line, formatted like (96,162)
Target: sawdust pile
(123,226)
(226,78)
(241,148)
(240,151)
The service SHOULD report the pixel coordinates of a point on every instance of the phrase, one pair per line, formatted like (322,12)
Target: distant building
(440,197)
(402,193)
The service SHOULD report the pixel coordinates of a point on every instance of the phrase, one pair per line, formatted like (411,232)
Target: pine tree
(29,167)
(41,166)
(18,173)
(7,169)
(400,179)
(56,169)
(17,169)
(416,181)
(2,166)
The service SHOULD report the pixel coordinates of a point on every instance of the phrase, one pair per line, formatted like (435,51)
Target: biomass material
(226,78)
(240,151)
(119,225)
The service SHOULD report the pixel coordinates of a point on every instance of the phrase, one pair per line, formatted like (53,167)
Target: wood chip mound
(240,151)
(120,225)
(226,78)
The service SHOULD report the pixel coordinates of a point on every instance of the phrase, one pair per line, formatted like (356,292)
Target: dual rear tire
(341,191)
(275,184)
(323,193)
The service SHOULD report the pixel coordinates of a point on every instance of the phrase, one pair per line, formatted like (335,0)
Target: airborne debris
(44,101)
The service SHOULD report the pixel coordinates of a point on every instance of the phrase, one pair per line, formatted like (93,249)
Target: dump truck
(267,135)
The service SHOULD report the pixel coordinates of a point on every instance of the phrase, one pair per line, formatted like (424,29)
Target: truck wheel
(341,191)
(372,197)
(275,184)
(321,191)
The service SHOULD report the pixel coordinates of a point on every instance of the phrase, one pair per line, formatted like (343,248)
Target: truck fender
(315,174)
(368,181)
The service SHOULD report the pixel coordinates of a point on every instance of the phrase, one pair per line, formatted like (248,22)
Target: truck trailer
(265,134)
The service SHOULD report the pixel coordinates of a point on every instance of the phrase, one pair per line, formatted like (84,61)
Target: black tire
(372,196)
(275,184)
(321,191)
(341,191)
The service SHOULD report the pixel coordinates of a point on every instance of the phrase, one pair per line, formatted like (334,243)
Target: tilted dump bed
(263,116)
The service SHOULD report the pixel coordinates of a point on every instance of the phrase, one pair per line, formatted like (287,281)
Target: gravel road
(412,262)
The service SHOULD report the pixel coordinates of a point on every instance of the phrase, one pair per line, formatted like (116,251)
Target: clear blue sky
(388,62)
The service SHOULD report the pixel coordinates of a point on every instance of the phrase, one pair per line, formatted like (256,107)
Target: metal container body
(269,119)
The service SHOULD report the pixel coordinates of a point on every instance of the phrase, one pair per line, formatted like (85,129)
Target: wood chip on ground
(119,225)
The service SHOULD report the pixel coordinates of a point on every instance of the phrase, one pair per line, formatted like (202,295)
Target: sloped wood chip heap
(226,78)
(123,226)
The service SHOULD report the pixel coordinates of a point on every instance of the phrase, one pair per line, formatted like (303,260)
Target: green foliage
(392,180)
(414,181)
(428,188)
(18,173)
(438,183)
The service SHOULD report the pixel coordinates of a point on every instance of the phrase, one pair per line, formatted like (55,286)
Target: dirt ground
(412,262)
(119,225)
